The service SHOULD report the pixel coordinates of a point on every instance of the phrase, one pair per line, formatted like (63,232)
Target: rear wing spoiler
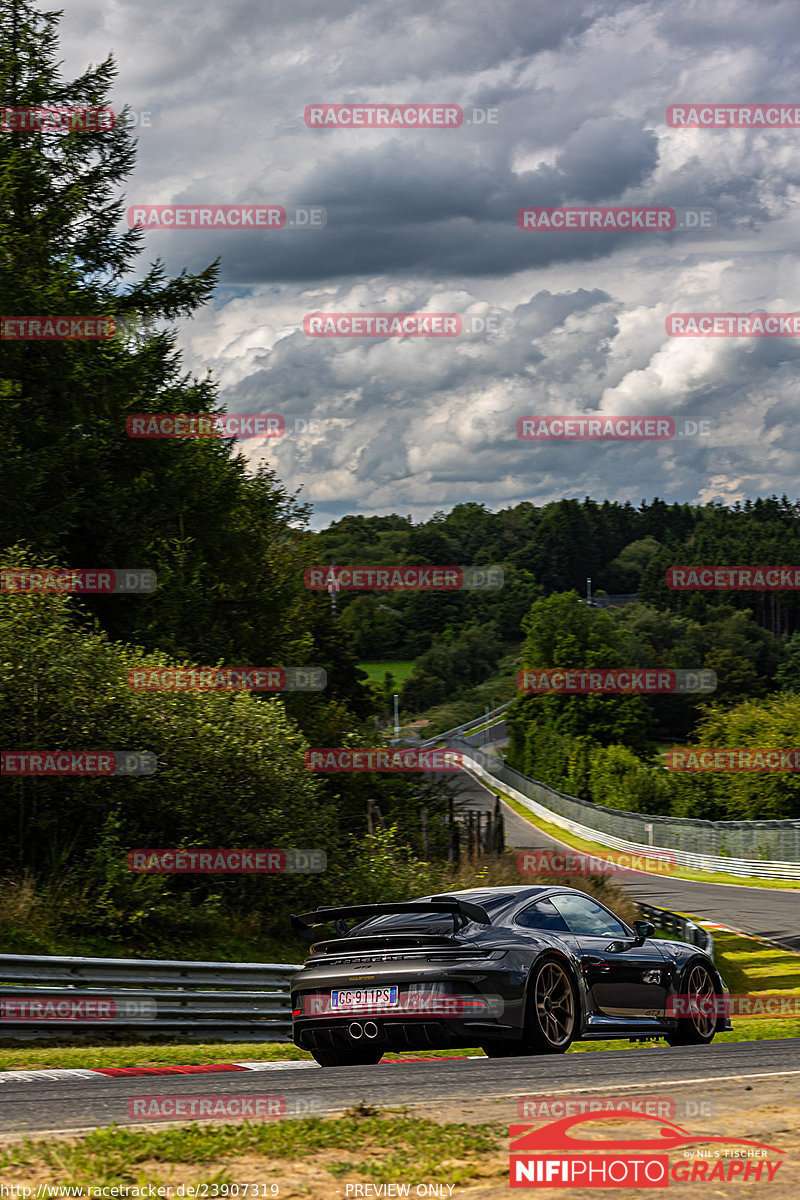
(463,909)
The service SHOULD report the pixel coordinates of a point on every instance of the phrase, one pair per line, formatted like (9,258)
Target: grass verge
(301,1157)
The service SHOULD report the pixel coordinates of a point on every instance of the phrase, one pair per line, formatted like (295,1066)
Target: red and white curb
(58,1075)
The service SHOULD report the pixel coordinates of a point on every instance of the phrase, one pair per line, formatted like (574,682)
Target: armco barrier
(765,849)
(487,720)
(230,1001)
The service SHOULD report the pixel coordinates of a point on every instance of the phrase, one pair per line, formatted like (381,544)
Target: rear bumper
(395,1033)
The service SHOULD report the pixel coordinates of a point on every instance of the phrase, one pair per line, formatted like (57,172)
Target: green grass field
(376,670)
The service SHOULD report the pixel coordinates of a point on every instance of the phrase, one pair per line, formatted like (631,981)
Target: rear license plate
(364,998)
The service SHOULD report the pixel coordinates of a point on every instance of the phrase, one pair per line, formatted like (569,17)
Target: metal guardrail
(686,929)
(774,846)
(477,723)
(56,996)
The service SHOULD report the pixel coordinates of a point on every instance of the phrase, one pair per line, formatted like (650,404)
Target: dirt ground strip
(766,1111)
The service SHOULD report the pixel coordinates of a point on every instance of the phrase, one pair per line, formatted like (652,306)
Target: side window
(584,916)
(542,915)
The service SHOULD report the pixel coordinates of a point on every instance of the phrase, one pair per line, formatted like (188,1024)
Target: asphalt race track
(765,912)
(478,1085)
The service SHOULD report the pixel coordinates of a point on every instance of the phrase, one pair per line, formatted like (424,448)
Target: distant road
(764,912)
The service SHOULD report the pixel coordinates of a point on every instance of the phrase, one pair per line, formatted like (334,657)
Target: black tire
(358,1056)
(697,1029)
(502,1049)
(551,1021)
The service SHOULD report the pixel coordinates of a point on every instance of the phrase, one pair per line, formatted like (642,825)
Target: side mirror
(642,930)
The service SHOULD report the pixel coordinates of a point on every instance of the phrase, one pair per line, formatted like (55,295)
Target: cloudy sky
(426,220)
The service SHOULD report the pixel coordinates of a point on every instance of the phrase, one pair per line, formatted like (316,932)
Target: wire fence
(768,849)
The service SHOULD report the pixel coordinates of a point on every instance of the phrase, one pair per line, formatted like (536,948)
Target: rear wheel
(552,1015)
(358,1056)
(552,1018)
(699,1027)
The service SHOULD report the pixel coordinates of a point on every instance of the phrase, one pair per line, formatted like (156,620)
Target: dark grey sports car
(514,970)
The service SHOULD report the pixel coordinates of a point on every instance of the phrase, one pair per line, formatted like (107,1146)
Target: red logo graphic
(551,1156)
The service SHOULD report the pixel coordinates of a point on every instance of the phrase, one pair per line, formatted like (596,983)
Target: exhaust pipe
(370,1029)
(355,1030)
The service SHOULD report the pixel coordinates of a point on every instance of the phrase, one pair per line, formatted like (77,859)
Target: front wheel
(552,1017)
(699,1027)
(356,1057)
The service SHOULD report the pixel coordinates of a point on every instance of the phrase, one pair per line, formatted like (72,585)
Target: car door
(624,980)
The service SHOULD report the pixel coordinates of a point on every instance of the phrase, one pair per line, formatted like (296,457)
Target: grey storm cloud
(427,220)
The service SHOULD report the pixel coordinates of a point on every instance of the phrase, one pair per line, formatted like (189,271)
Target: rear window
(433,922)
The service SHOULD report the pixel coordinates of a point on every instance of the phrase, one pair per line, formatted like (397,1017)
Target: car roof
(513,891)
